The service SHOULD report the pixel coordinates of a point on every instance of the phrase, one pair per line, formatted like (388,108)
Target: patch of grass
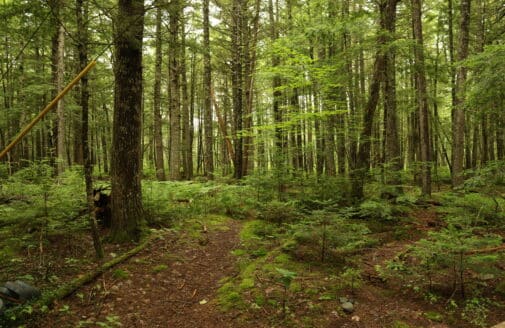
(247,283)
(400,324)
(228,298)
(160,268)
(120,274)
(433,316)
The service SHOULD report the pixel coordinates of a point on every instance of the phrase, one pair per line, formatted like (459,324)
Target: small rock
(348,307)
(355,318)
(6,292)
(22,290)
(343,300)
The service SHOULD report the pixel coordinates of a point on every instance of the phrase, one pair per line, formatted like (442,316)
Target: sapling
(286,277)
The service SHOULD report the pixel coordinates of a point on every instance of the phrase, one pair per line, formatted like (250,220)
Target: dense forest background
(358,144)
(319,88)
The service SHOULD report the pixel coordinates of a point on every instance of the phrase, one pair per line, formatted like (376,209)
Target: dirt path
(173,283)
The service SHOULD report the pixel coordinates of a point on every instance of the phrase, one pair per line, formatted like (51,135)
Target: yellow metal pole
(47,108)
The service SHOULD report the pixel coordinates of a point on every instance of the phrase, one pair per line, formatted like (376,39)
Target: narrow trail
(173,283)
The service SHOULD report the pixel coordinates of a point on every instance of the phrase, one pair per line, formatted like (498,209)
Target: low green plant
(351,278)
(120,274)
(455,249)
(279,212)
(324,233)
(160,268)
(475,311)
(285,278)
(111,321)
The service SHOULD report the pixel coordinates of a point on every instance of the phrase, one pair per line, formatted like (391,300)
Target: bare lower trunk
(126,169)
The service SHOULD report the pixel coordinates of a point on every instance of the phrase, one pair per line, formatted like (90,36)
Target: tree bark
(175,8)
(82,18)
(157,126)
(422,99)
(392,140)
(126,168)
(58,69)
(238,84)
(207,100)
(458,124)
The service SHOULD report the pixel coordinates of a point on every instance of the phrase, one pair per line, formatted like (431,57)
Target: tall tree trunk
(207,101)
(237,85)
(187,146)
(360,172)
(175,9)
(279,150)
(126,168)
(82,18)
(58,69)
(157,126)
(392,140)
(458,123)
(422,98)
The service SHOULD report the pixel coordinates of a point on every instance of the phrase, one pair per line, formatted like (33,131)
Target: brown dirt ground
(164,288)
(173,284)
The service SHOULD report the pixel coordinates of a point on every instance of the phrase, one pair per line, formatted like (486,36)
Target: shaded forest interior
(329,128)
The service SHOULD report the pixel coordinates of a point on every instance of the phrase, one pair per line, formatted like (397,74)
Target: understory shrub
(323,235)
(279,212)
(449,255)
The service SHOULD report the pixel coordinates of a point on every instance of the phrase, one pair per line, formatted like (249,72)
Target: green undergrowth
(168,202)
(274,278)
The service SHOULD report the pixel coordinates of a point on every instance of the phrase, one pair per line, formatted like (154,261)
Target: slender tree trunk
(237,85)
(175,8)
(207,102)
(359,174)
(58,70)
(422,98)
(185,116)
(392,139)
(126,168)
(458,124)
(279,150)
(82,18)
(157,128)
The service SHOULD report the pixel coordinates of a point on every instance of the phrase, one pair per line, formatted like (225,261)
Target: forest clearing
(248,163)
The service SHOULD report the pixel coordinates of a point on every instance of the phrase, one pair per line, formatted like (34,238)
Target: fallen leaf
(204,301)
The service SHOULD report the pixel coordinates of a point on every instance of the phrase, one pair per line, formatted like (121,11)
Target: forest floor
(175,283)
(170,284)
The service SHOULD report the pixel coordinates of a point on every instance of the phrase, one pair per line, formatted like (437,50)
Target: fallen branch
(49,298)
(485,250)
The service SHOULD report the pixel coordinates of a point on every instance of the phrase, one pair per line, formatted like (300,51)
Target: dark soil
(171,284)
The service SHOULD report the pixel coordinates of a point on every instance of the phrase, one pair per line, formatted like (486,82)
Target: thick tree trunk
(126,169)
(458,123)
(157,126)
